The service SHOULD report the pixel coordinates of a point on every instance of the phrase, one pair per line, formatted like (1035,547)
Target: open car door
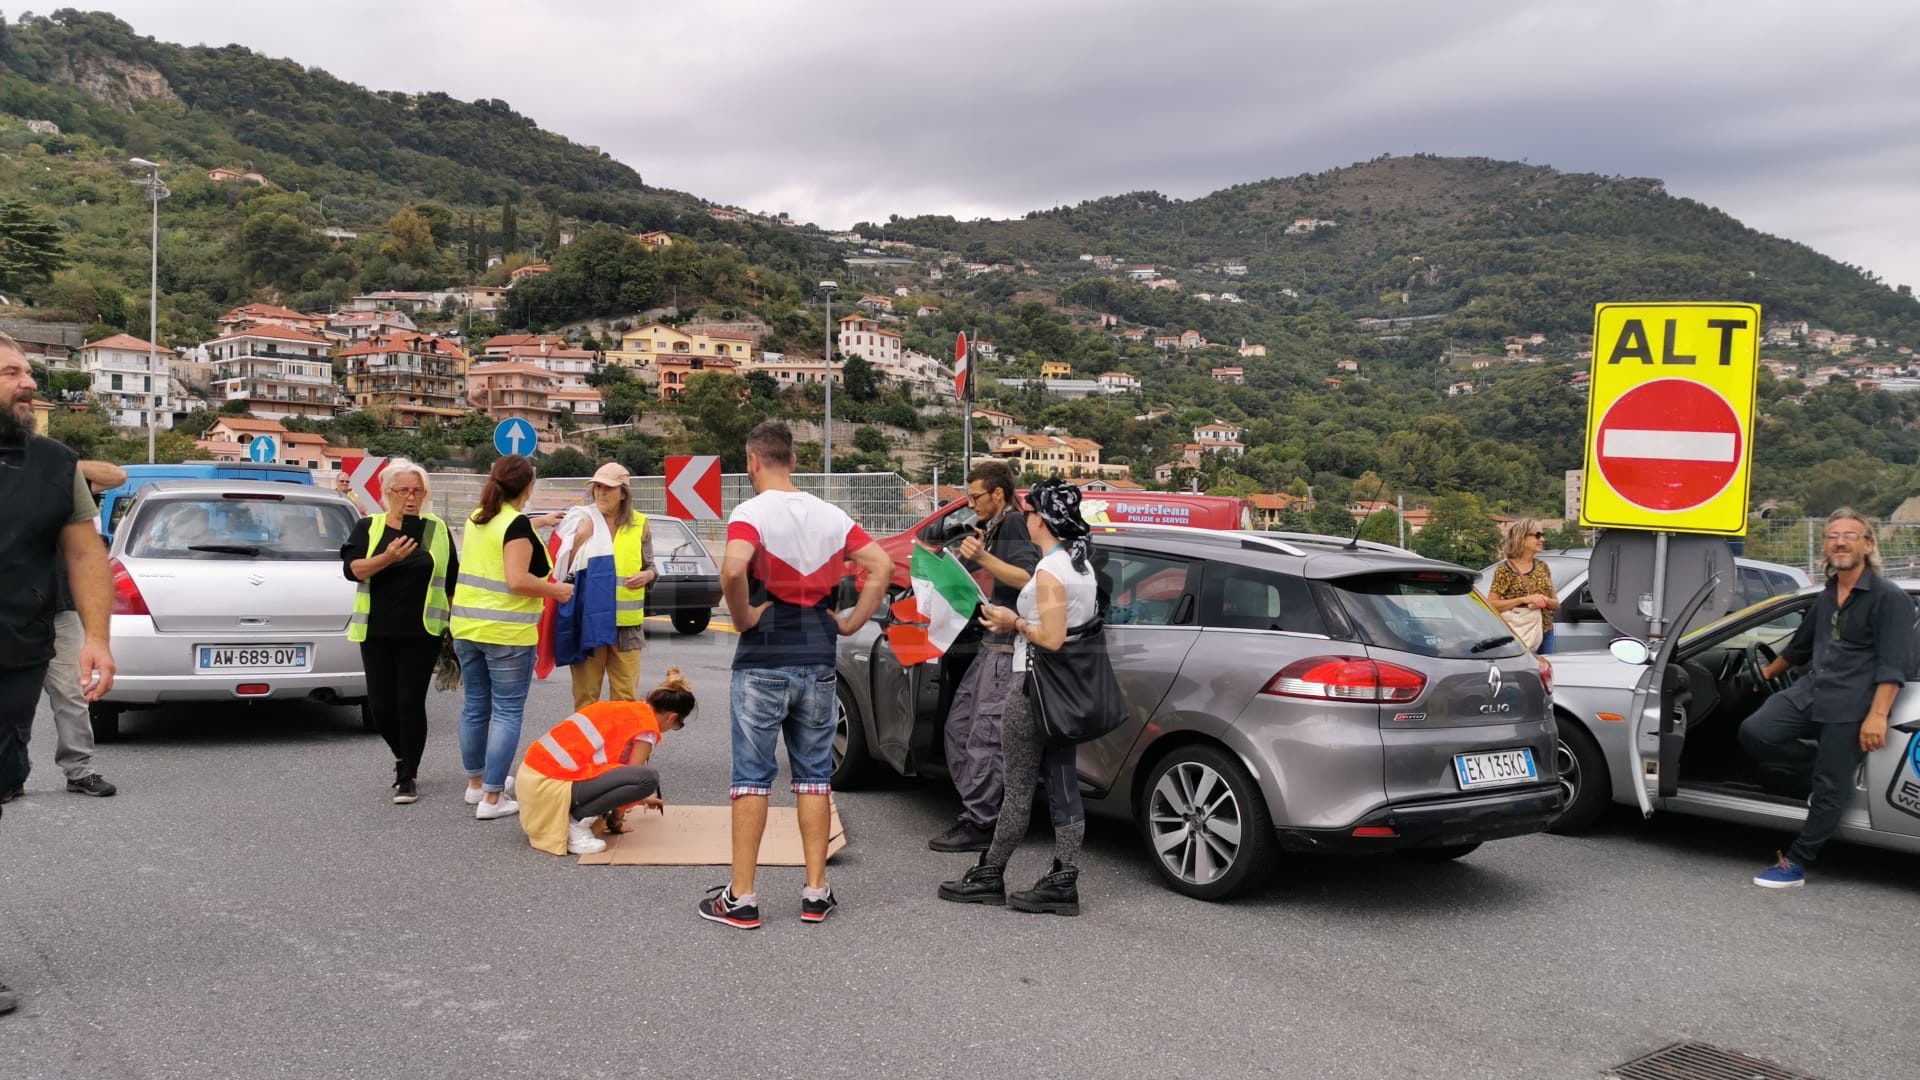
(1660,715)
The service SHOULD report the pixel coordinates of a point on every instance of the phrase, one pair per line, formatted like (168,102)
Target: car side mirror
(1630,651)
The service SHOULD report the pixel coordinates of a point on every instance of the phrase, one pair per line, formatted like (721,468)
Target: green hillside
(439,191)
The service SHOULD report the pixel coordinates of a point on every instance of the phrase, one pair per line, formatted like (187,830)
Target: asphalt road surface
(251,905)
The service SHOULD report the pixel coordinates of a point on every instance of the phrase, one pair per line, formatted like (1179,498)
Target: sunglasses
(1539,536)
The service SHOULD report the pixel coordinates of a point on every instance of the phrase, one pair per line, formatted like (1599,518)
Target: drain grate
(1698,1061)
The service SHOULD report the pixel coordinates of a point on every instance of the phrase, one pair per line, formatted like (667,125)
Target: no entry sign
(1670,417)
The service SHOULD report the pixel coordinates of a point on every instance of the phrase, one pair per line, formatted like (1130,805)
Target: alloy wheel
(839,732)
(1193,821)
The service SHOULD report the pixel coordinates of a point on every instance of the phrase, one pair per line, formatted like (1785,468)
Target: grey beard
(11,427)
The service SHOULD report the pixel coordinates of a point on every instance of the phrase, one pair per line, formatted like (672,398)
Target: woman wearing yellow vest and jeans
(611,527)
(399,611)
(496,624)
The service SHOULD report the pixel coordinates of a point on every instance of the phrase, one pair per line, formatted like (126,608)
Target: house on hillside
(247,316)
(656,239)
(1055,455)
(1267,510)
(121,371)
(1348,365)
(1133,335)
(1142,272)
(863,337)
(1217,432)
(876,304)
(276,371)
(1166,341)
(1251,350)
(1229,374)
(522,273)
(416,377)
(1120,382)
(719,213)
(644,346)
(1056,369)
(998,421)
(1192,339)
(513,390)
(927,311)
(1165,284)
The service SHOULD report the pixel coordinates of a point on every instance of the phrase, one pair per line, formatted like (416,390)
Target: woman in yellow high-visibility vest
(496,624)
(403,561)
(611,528)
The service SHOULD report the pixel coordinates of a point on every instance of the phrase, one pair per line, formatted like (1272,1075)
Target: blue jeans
(1546,644)
(767,703)
(496,679)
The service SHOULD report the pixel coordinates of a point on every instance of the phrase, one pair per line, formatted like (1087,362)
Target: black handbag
(1072,689)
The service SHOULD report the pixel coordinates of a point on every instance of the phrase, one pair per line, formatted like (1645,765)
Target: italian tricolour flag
(944,600)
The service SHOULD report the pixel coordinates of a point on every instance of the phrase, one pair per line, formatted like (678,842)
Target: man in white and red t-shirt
(794,547)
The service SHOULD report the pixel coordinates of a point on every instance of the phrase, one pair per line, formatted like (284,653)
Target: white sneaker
(580,838)
(487,811)
(474,794)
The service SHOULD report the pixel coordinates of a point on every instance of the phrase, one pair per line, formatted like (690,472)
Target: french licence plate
(683,567)
(1495,769)
(252,657)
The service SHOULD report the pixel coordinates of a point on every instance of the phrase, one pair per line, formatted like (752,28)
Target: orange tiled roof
(125,341)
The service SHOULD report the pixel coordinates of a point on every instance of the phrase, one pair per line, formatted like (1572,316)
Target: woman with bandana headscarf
(1062,593)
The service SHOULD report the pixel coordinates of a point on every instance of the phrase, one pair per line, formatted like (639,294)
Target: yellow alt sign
(1670,417)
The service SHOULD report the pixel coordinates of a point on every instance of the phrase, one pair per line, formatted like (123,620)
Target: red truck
(1098,507)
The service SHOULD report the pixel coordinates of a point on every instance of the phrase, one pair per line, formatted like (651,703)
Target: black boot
(984,883)
(1056,894)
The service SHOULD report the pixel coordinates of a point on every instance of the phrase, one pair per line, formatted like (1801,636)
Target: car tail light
(1375,831)
(1546,674)
(126,595)
(1346,678)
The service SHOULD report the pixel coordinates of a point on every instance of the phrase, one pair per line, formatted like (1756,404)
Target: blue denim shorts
(767,703)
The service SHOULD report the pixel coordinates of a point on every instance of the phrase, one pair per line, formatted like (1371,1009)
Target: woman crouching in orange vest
(594,763)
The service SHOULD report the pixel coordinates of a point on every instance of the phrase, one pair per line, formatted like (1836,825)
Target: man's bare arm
(92,586)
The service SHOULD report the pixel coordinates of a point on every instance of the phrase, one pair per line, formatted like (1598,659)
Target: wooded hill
(436,187)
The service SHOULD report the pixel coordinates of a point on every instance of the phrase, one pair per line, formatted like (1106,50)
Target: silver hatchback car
(1294,693)
(231,590)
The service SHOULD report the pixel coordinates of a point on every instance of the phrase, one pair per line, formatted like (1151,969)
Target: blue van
(115,503)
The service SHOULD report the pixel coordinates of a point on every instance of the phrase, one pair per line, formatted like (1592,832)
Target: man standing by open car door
(49,517)
(1859,639)
(1002,548)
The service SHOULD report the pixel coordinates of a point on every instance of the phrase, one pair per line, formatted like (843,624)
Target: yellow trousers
(620,670)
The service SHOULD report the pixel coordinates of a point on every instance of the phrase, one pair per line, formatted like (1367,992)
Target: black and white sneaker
(721,907)
(92,784)
(405,791)
(814,911)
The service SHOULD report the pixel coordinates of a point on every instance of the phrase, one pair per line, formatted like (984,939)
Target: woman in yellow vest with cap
(596,762)
(611,528)
(403,561)
(496,624)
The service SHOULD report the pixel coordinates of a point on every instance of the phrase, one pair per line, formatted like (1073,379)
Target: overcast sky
(1800,118)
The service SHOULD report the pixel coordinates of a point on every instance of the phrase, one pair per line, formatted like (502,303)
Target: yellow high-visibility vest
(433,614)
(630,605)
(485,609)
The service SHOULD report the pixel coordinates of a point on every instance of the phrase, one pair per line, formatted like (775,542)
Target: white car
(230,590)
(1658,729)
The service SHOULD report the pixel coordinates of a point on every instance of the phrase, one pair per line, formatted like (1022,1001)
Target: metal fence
(1798,542)
(880,502)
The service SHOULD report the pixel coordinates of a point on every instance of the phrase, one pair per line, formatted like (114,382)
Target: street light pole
(827,289)
(155,192)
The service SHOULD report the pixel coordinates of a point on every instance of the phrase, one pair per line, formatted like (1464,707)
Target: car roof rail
(1321,540)
(1240,536)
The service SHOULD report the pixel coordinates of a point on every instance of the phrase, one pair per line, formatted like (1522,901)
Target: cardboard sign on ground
(703,836)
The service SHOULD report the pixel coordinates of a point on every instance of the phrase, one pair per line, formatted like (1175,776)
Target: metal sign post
(1656,616)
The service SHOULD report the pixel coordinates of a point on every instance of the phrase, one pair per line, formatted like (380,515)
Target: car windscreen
(1427,612)
(672,539)
(238,527)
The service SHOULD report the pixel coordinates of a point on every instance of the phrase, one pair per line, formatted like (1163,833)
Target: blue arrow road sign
(263,450)
(514,437)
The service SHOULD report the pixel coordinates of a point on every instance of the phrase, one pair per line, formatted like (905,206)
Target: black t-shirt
(397,595)
(522,529)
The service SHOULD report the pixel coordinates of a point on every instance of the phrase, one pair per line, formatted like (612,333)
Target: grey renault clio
(1287,692)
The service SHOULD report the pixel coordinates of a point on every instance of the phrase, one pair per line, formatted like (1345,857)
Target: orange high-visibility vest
(591,741)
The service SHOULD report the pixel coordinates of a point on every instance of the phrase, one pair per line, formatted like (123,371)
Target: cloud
(1799,124)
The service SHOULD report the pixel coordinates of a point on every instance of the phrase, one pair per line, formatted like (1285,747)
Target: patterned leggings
(1030,758)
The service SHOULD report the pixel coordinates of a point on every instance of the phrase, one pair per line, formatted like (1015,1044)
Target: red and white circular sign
(1671,444)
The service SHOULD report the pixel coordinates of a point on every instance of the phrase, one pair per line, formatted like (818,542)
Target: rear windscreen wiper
(1492,643)
(226,549)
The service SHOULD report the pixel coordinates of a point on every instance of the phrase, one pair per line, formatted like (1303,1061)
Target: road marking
(716,627)
(1668,445)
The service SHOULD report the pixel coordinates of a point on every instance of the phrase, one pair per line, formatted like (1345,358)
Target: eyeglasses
(407,490)
(977,496)
(1849,537)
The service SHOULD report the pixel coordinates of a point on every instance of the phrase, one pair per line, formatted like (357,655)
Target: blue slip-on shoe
(1784,874)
